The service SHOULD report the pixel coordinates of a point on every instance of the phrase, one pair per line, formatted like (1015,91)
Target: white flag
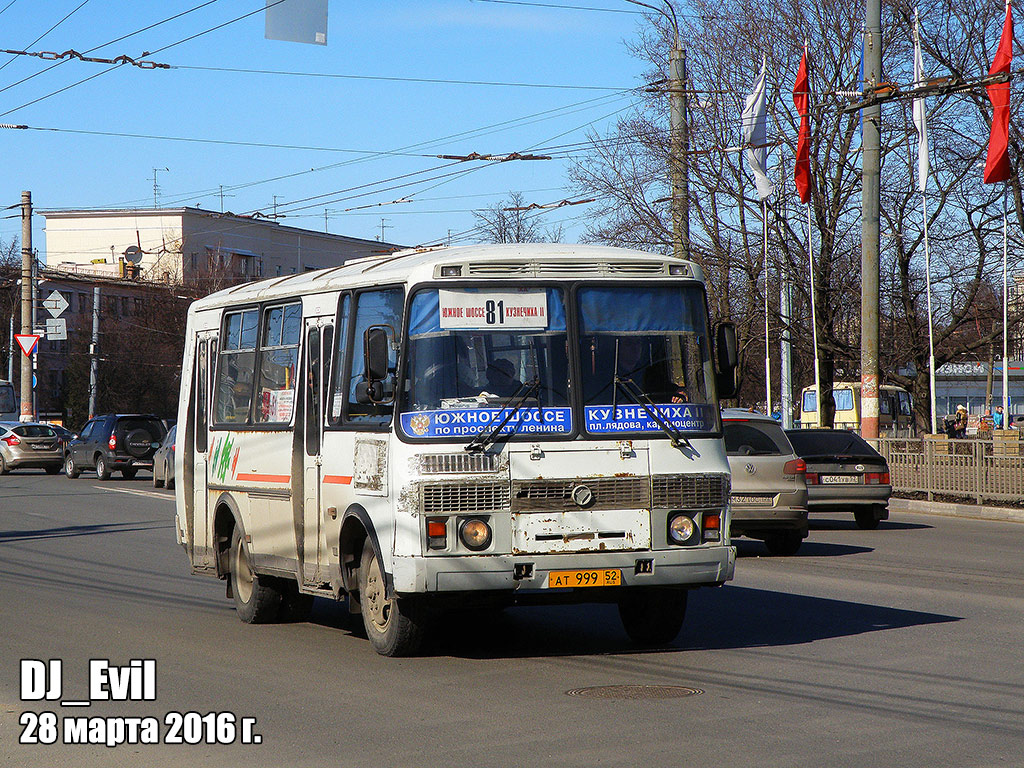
(755,134)
(920,112)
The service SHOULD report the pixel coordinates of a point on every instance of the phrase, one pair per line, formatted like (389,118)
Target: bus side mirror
(375,366)
(375,353)
(728,359)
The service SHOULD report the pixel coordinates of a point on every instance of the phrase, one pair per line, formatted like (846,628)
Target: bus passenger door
(318,348)
(202,545)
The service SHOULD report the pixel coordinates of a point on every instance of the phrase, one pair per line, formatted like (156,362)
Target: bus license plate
(603,577)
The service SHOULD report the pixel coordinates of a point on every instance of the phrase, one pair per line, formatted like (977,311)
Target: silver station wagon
(769,495)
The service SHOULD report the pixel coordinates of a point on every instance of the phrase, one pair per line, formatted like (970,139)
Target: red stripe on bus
(338,479)
(264,478)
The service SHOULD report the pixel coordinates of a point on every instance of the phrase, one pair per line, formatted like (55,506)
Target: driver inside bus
(652,377)
(501,378)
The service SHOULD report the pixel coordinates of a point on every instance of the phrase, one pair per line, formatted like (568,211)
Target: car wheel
(652,615)
(157,480)
(784,542)
(168,475)
(257,601)
(866,518)
(129,474)
(4,469)
(52,470)
(70,470)
(102,470)
(394,626)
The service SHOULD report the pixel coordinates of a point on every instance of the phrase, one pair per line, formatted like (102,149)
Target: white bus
(435,427)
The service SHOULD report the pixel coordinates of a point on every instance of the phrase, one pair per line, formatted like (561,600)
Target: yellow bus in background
(895,405)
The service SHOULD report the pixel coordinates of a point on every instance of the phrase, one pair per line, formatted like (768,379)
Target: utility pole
(26,302)
(870,233)
(222,196)
(94,351)
(680,145)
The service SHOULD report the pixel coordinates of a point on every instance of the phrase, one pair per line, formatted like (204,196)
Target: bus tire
(866,518)
(783,542)
(394,626)
(257,601)
(652,615)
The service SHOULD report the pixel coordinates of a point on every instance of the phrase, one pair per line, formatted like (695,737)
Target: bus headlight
(475,534)
(682,529)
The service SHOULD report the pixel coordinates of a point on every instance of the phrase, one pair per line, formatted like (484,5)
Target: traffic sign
(56,303)
(27,342)
(57,329)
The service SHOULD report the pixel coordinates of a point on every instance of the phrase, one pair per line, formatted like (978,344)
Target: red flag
(801,99)
(997,165)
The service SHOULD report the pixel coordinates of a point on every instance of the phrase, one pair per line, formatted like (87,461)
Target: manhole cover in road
(635,692)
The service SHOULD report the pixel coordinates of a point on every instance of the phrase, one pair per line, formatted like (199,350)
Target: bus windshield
(475,354)
(471,351)
(654,340)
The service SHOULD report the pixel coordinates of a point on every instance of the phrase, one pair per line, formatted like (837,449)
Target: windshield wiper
(514,402)
(641,398)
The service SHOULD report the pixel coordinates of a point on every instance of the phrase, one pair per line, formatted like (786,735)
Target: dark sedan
(844,474)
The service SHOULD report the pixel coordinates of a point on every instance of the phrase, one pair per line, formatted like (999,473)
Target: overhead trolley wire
(387,78)
(269,4)
(115,40)
(68,16)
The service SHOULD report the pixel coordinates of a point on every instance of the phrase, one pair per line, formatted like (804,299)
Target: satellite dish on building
(133,254)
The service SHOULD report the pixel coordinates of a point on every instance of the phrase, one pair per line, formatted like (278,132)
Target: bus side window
(235,367)
(383,307)
(279,356)
(313,378)
(201,389)
(338,362)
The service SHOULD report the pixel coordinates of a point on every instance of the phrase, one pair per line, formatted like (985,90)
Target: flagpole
(931,336)
(767,343)
(814,317)
(1006,335)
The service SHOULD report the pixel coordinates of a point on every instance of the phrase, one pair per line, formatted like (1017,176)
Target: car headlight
(682,529)
(475,534)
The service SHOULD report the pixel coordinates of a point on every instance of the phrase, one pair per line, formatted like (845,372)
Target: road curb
(946,509)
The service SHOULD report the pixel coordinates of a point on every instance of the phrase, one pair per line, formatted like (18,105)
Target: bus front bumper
(682,567)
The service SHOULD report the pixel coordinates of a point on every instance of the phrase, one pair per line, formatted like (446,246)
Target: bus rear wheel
(394,626)
(257,601)
(652,615)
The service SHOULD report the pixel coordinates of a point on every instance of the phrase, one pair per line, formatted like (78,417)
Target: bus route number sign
(484,310)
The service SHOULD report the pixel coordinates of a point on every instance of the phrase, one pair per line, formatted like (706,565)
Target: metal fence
(978,469)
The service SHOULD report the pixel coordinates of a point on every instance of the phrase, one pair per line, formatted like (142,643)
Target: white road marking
(147,494)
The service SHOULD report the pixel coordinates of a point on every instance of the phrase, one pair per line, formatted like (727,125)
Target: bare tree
(726,40)
(512,221)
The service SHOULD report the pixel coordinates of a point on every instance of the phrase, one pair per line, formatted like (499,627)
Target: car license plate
(601,577)
(839,479)
(751,499)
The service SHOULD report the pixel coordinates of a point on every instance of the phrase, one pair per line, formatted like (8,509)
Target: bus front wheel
(256,600)
(652,615)
(394,626)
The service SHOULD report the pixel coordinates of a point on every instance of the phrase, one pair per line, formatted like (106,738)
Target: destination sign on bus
(468,422)
(688,417)
(484,310)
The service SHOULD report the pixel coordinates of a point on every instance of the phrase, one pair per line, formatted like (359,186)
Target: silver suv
(769,492)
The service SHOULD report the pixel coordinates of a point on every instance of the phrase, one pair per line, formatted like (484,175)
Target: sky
(367,134)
